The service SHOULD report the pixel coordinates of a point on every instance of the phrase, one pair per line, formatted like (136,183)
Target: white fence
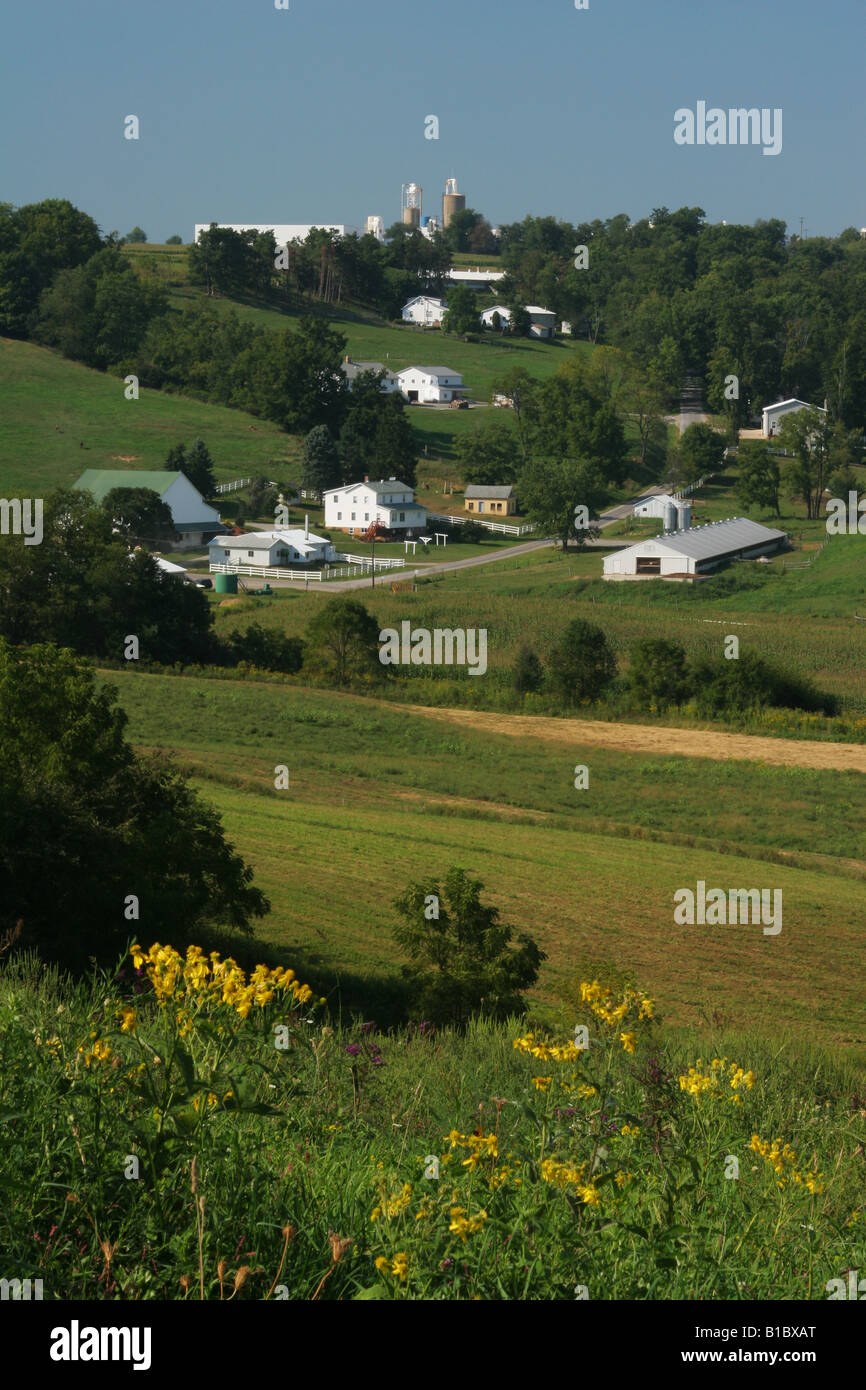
(266,571)
(488,525)
(692,487)
(381,564)
(311,494)
(233,487)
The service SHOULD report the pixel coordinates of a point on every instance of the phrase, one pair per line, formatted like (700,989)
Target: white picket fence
(488,525)
(381,564)
(266,571)
(310,494)
(233,487)
(692,487)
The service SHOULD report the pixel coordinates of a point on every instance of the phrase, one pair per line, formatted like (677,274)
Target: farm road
(649,738)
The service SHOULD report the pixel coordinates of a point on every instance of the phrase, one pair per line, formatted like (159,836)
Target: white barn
(283,546)
(430,384)
(656,504)
(425,309)
(700,550)
(772,415)
(194,519)
(388,501)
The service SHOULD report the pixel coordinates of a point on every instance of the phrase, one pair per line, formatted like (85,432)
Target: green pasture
(380,796)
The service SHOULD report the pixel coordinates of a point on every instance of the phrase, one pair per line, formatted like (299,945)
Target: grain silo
(411,204)
(669,516)
(452,201)
(684,515)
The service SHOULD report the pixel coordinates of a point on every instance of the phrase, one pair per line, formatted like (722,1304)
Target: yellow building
(492,501)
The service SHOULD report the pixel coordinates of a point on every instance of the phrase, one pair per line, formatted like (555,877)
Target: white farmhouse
(542,322)
(772,415)
(489,316)
(430,384)
(388,501)
(194,519)
(697,551)
(425,309)
(283,546)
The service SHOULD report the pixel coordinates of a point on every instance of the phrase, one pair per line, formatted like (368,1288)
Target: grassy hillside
(51,407)
(380,796)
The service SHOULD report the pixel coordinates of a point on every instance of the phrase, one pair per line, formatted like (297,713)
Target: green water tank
(226,583)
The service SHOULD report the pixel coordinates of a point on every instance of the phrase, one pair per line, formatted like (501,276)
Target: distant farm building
(542,322)
(284,232)
(425,309)
(430,385)
(194,519)
(496,317)
(490,499)
(352,369)
(697,551)
(772,415)
(673,511)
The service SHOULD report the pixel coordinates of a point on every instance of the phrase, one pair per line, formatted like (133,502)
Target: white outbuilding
(542,322)
(697,551)
(772,415)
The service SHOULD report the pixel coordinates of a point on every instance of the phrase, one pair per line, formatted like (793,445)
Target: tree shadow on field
(383,998)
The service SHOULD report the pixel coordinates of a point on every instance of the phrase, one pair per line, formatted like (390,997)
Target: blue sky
(316,114)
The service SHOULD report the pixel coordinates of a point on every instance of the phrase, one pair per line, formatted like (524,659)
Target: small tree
(174,240)
(528,674)
(462,315)
(196,465)
(462,961)
(135,236)
(582,664)
(701,452)
(139,515)
(758,480)
(320,462)
(343,641)
(659,675)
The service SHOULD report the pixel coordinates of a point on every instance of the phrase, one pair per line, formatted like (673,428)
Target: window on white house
(353,516)
(402,516)
(339,516)
(251,554)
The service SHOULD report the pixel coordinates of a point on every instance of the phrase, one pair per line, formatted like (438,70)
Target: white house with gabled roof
(425,309)
(772,415)
(356,506)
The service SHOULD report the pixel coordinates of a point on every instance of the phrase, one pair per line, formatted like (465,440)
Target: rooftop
(476,490)
(717,538)
(431,371)
(100,481)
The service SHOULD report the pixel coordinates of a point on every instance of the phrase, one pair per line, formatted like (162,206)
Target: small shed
(498,500)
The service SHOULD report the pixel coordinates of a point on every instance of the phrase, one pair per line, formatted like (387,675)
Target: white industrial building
(283,546)
(430,384)
(284,232)
(356,506)
(772,415)
(425,309)
(696,551)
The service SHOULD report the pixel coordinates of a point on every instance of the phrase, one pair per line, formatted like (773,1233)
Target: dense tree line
(786,317)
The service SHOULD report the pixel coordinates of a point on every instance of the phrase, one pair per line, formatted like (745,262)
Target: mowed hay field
(380,796)
(52,406)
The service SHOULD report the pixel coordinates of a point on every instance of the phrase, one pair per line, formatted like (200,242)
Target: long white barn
(699,550)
